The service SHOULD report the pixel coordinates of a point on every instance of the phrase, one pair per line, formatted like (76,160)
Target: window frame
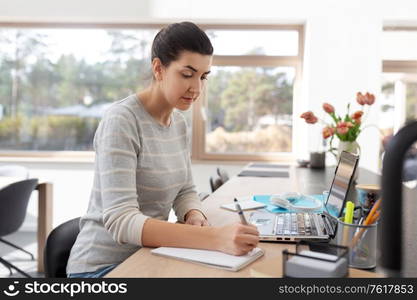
(399,66)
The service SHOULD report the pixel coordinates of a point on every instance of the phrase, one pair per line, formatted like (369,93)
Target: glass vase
(352,147)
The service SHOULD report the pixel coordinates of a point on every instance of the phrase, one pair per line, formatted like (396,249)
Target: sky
(90,44)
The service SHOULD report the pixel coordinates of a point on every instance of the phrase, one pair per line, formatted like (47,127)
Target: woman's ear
(157,68)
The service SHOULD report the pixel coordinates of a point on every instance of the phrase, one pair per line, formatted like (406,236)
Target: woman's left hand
(196,217)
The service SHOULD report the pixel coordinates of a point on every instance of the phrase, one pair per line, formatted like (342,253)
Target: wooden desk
(144,264)
(44,214)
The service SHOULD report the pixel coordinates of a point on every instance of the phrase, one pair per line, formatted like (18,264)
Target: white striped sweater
(142,170)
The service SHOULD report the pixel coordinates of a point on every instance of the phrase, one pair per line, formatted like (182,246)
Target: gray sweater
(142,170)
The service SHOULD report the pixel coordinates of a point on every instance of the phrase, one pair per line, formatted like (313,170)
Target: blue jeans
(96,274)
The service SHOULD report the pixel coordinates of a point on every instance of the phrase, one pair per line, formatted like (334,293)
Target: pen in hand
(242,220)
(240,212)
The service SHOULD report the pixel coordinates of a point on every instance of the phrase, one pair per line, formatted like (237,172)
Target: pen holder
(307,263)
(361,240)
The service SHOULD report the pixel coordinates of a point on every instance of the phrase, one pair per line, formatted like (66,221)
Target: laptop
(286,227)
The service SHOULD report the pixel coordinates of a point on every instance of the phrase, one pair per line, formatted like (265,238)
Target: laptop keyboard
(296,224)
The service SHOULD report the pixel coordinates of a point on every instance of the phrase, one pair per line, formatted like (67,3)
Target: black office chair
(58,247)
(14,200)
(215,183)
(224,176)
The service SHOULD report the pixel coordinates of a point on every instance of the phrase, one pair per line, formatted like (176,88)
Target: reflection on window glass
(254,42)
(386,115)
(55,84)
(398,104)
(411,102)
(249,110)
(340,186)
(399,100)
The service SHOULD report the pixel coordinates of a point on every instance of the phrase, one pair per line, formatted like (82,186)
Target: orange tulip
(312,120)
(342,127)
(360,98)
(369,98)
(357,115)
(328,132)
(309,117)
(328,108)
(307,114)
(342,130)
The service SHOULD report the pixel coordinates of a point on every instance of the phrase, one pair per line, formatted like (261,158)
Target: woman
(143,167)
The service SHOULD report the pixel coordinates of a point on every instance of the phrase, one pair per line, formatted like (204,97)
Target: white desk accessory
(286,200)
(306,263)
(246,203)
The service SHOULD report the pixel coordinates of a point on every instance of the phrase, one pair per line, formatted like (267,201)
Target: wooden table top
(144,264)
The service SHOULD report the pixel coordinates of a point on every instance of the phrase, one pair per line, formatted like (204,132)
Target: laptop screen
(341,183)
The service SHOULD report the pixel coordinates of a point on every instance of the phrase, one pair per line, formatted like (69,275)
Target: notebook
(246,203)
(250,173)
(210,258)
(265,170)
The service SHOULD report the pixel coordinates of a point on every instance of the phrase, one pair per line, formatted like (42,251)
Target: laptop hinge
(330,224)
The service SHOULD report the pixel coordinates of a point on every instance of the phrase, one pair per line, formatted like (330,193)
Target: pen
(371,214)
(372,217)
(240,212)
(359,223)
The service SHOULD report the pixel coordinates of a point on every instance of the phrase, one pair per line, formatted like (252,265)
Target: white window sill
(54,157)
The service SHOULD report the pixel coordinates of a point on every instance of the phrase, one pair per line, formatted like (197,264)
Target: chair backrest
(14,200)
(14,171)
(224,176)
(58,247)
(215,183)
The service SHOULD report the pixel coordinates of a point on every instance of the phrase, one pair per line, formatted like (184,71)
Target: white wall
(343,58)
(73,10)
(342,53)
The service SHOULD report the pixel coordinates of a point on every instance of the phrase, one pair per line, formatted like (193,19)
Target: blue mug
(367,195)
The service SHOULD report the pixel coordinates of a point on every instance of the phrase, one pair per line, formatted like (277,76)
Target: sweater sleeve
(187,198)
(116,145)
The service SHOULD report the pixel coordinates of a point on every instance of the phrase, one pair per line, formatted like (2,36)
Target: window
(56,83)
(399,79)
(248,109)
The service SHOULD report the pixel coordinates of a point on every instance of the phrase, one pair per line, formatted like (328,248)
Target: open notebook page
(210,258)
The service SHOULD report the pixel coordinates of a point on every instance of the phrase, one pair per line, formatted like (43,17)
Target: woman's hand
(196,217)
(237,239)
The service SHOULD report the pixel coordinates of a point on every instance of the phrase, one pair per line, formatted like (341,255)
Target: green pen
(349,212)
